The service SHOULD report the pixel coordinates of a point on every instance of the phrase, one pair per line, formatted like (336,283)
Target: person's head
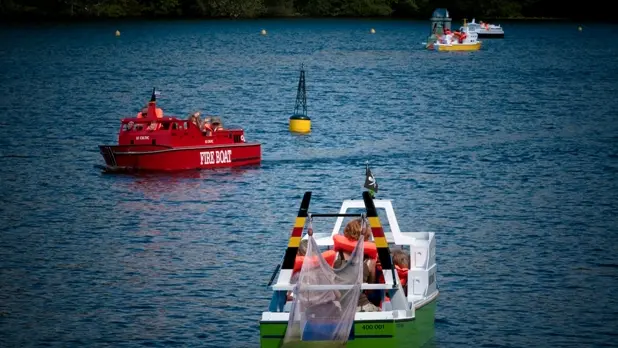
(144,110)
(354,230)
(401,258)
(302,248)
(216,122)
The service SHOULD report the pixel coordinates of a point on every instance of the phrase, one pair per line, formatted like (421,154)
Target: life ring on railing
(342,243)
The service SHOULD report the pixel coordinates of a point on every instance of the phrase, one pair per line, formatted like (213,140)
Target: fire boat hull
(167,158)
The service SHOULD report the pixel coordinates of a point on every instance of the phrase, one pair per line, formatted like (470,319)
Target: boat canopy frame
(286,267)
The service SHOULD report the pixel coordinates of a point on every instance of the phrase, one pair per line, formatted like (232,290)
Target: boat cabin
(172,131)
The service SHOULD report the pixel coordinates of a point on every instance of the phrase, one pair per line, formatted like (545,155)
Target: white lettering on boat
(142,137)
(208,141)
(215,157)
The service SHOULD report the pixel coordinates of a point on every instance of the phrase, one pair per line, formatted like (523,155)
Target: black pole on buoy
(300,122)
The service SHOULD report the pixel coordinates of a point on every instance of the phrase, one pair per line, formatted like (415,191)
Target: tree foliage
(421,9)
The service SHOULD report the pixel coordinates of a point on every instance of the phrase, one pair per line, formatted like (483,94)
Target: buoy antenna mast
(301,94)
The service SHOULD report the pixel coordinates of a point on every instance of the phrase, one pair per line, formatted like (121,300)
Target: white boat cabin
(421,282)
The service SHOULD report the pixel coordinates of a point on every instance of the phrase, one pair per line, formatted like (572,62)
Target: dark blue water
(509,154)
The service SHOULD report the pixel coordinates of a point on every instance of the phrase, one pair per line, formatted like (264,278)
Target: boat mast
(301,94)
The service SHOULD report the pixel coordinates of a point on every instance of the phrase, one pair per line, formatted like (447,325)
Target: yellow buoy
(117,32)
(300,124)
(263,31)
(373,31)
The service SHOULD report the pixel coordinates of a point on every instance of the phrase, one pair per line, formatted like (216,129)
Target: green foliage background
(419,9)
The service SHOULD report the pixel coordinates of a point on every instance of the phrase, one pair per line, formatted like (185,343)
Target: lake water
(510,154)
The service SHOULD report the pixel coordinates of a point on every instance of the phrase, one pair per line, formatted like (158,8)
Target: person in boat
(302,251)
(456,35)
(144,112)
(206,126)
(318,304)
(353,231)
(196,119)
(401,260)
(217,124)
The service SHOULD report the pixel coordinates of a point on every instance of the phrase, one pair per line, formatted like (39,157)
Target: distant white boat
(486,30)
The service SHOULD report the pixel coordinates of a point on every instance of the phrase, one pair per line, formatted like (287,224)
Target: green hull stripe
(408,332)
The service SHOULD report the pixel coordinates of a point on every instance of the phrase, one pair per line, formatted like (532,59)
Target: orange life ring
(328,255)
(342,243)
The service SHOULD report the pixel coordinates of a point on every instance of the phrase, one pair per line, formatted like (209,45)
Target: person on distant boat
(206,126)
(195,119)
(154,126)
(144,112)
(448,36)
(353,231)
(217,125)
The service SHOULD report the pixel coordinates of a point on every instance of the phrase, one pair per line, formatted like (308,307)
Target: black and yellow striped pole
(297,233)
(379,238)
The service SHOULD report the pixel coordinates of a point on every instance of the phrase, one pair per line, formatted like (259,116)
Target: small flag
(370,181)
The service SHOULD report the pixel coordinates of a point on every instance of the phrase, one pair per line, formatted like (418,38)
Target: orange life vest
(403,275)
(401,272)
(342,243)
(328,255)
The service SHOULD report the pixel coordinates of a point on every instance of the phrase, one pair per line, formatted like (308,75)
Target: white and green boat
(404,321)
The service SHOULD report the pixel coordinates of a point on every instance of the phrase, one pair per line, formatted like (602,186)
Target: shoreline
(16,19)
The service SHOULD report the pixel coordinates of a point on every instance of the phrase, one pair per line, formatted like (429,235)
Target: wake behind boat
(153,142)
(302,320)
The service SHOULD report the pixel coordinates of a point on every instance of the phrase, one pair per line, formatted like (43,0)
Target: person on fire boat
(212,124)
(144,112)
(196,119)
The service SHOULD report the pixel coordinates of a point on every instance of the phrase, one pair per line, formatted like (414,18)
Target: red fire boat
(153,142)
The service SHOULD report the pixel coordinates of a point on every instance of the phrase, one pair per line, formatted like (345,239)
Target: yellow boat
(457,46)
(441,39)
